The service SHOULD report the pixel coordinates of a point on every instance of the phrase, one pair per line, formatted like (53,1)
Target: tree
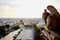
(2,31)
(7,25)
(37,32)
(16,27)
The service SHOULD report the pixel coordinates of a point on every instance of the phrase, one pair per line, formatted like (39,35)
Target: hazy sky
(25,8)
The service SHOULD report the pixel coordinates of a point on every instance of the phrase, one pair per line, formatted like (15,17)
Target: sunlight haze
(25,8)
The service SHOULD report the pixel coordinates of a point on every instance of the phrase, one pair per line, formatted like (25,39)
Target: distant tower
(22,22)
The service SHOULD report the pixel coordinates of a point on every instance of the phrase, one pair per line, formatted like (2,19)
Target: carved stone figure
(53,21)
(45,15)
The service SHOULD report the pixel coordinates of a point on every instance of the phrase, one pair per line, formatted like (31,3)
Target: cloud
(25,8)
(9,4)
